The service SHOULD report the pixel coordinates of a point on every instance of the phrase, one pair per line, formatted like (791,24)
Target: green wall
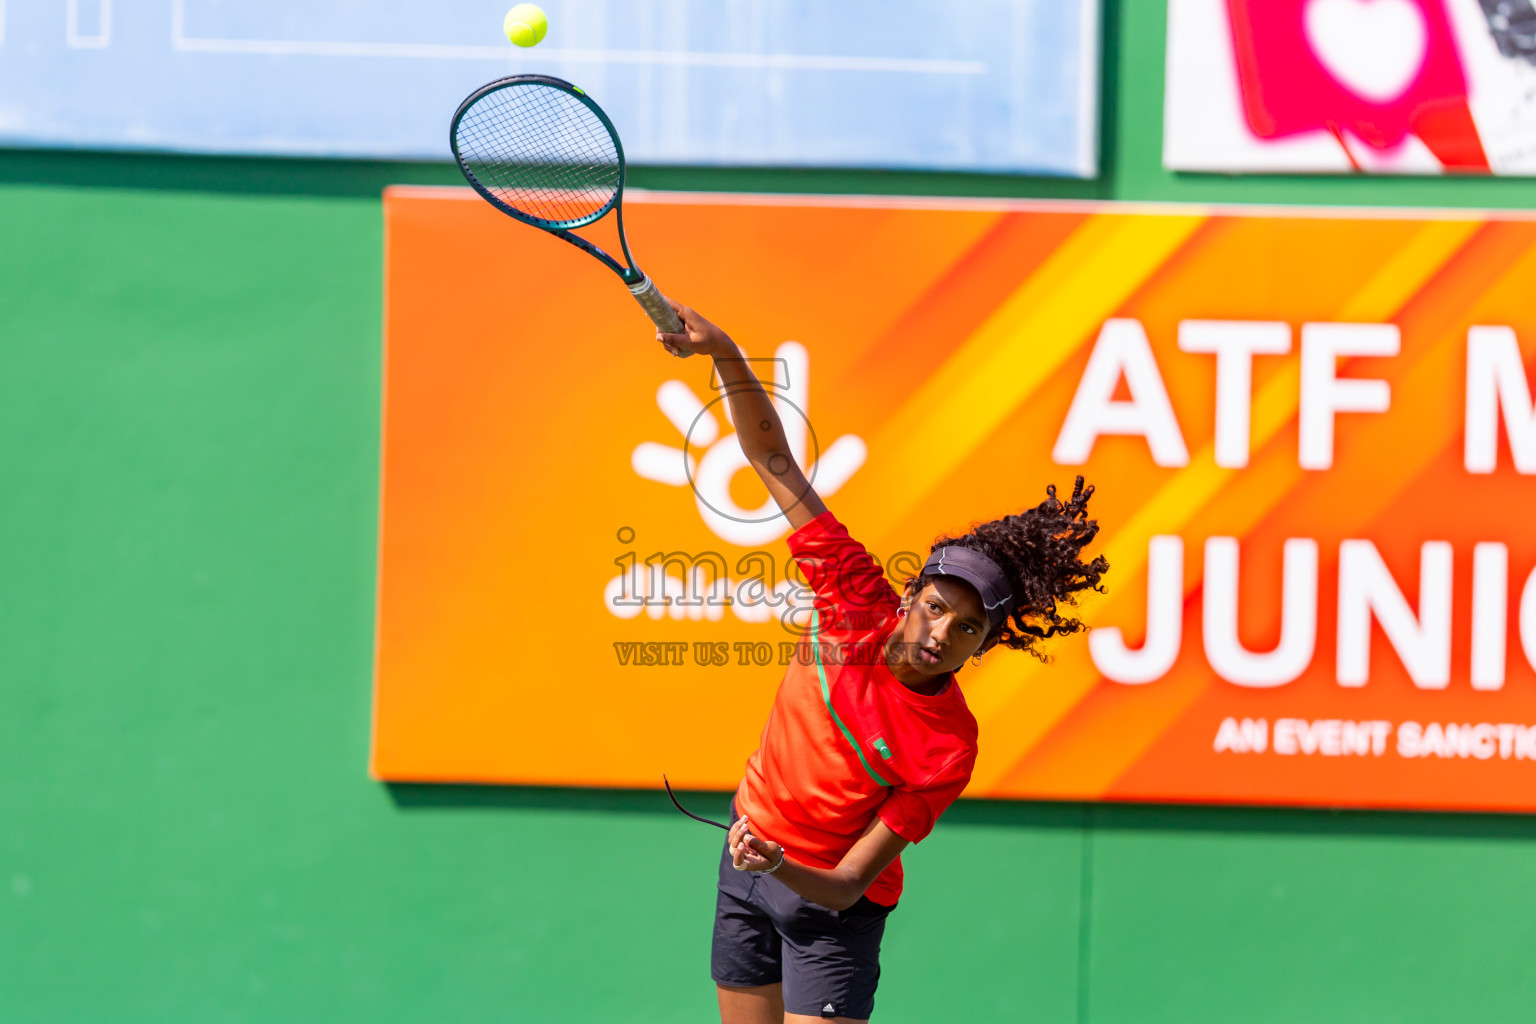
(189,389)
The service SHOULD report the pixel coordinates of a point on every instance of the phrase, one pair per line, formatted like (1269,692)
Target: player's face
(944,625)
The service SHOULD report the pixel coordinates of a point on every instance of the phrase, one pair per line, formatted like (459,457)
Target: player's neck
(928,686)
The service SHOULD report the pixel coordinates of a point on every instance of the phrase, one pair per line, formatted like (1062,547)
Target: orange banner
(1311,434)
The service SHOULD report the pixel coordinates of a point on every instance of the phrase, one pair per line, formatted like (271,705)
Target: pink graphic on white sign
(1407,86)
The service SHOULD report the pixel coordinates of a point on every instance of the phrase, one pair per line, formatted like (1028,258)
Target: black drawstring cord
(695,817)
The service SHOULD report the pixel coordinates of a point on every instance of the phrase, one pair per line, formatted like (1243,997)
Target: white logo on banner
(711,474)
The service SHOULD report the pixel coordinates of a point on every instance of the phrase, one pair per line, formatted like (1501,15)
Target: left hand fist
(749,853)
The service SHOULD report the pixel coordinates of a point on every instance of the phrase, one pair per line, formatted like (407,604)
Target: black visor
(980,572)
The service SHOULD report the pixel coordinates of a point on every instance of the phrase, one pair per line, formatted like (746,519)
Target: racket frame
(630,274)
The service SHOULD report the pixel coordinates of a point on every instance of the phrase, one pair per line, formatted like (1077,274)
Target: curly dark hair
(1040,551)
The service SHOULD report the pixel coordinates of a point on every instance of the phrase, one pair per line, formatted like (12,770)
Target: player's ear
(994,637)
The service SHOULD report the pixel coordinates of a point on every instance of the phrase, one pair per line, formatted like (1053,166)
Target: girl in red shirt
(869,739)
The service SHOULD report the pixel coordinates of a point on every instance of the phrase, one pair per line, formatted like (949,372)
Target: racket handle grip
(656,306)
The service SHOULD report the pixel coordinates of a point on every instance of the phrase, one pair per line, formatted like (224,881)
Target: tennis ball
(525,24)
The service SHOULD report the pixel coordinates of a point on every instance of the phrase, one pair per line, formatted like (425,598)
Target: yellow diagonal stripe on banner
(989,693)
(1031,334)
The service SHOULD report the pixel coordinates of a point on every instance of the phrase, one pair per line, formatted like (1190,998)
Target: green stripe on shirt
(826,697)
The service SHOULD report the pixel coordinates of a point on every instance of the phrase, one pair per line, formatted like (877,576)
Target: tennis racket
(539,150)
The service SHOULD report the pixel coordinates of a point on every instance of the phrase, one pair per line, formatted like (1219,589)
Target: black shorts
(828,960)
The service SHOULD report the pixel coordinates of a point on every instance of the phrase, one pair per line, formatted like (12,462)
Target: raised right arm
(758,427)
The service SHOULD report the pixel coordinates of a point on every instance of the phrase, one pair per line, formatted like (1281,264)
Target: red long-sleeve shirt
(846,740)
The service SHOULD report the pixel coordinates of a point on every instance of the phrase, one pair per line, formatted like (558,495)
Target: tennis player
(869,739)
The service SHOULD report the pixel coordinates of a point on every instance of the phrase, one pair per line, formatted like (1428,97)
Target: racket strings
(541,155)
(540,151)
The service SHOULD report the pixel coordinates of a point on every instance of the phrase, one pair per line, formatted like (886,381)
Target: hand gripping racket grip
(656,306)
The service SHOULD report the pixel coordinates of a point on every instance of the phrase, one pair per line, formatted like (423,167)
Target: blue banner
(975,85)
